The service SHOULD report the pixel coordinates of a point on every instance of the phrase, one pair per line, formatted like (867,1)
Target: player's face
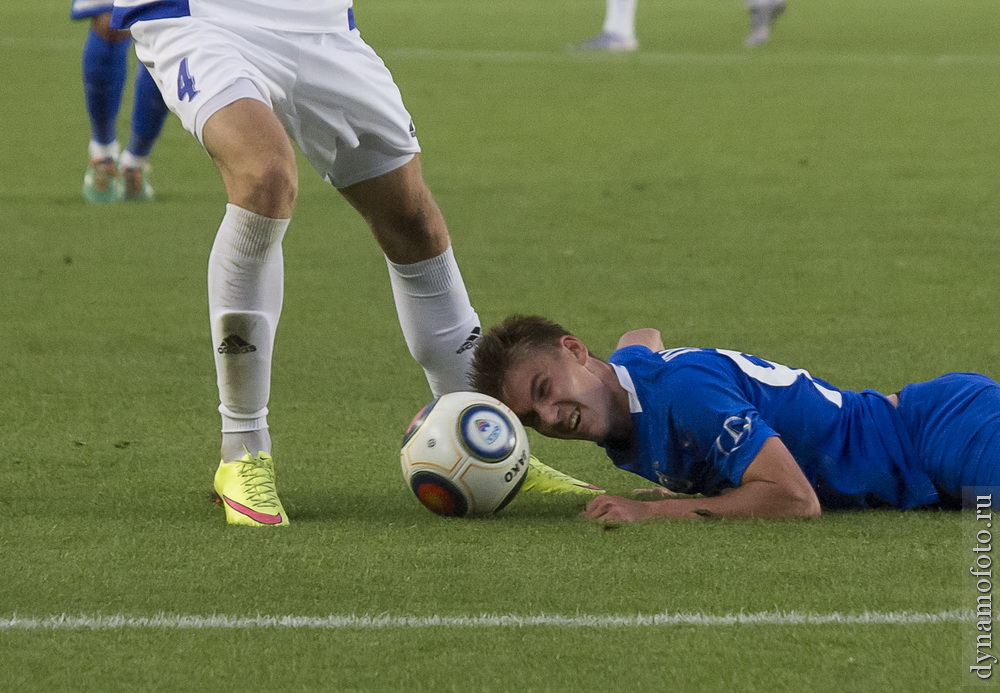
(560,394)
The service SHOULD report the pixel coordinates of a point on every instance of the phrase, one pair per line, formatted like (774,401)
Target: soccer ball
(465,455)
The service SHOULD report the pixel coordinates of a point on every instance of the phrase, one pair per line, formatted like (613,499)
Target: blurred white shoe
(762,16)
(610,43)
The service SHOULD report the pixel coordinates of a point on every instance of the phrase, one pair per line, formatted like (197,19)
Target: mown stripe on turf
(659,58)
(762,618)
(557,55)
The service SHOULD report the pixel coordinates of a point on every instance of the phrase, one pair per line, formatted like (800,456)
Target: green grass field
(827,201)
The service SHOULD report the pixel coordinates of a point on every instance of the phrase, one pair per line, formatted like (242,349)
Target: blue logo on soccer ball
(488,430)
(486,433)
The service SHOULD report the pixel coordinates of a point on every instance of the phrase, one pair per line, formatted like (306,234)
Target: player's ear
(577,348)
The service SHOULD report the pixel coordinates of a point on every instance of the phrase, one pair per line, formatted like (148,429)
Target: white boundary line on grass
(195,622)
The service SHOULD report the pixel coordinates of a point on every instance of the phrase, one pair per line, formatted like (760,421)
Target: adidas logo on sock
(234,344)
(470,341)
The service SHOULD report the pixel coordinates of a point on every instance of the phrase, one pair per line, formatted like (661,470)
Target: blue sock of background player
(149,112)
(105,64)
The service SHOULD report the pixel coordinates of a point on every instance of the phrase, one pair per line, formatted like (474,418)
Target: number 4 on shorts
(185,82)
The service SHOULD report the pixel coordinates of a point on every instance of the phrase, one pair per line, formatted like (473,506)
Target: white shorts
(332,93)
(81,9)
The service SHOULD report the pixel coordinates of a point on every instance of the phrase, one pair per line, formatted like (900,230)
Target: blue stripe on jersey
(124,17)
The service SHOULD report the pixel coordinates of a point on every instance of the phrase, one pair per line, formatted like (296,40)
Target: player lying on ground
(758,439)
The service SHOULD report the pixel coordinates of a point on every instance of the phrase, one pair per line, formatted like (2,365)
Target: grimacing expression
(554,392)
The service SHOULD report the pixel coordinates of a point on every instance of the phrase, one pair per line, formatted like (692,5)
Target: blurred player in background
(756,438)
(113,175)
(763,13)
(618,32)
(246,77)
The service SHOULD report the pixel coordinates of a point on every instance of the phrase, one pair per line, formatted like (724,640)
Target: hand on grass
(658,492)
(617,509)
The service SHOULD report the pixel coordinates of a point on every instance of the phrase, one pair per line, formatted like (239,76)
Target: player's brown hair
(508,343)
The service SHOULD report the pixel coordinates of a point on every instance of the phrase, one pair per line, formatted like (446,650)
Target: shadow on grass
(332,505)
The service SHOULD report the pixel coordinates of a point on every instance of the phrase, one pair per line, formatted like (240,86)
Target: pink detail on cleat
(263,518)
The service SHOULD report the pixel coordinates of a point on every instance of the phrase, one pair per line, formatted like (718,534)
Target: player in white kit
(618,31)
(245,77)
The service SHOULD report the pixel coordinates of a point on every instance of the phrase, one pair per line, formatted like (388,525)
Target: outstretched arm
(773,486)
(647,337)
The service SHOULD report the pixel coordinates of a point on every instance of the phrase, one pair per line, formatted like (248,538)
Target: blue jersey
(700,416)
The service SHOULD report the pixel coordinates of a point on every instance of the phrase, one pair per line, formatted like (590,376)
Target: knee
(267,186)
(402,214)
(274,179)
(411,233)
(101,25)
(415,223)
(255,157)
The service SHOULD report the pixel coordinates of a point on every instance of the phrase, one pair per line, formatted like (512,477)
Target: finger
(602,501)
(655,492)
(598,511)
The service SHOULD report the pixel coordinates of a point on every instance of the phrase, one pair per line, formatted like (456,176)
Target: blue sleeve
(714,415)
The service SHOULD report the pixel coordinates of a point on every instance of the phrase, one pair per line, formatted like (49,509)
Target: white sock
(439,324)
(96,150)
(130,160)
(619,18)
(245,290)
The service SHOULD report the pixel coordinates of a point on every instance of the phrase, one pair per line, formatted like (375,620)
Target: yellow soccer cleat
(544,479)
(247,491)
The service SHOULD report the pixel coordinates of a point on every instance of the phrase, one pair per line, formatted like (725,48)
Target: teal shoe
(102,183)
(137,185)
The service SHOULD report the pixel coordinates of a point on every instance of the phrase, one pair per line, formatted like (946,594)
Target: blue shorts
(954,423)
(81,9)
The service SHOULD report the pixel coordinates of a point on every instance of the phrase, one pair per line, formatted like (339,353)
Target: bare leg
(439,324)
